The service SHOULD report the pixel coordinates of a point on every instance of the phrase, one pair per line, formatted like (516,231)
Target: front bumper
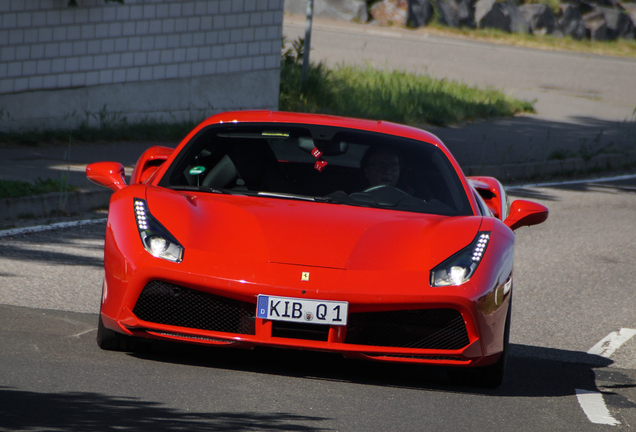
(455,327)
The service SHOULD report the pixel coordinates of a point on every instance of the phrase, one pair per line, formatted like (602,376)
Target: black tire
(490,376)
(110,340)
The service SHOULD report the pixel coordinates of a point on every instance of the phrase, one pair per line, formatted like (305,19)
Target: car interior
(291,161)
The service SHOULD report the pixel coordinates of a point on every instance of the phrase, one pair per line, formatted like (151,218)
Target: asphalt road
(585,103)
(574,285)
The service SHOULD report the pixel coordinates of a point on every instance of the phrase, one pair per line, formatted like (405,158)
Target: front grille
(415,357)
(186,336)
(315,332)
(422,328)
(166,303)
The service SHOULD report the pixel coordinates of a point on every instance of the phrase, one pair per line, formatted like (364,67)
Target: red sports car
(312,232)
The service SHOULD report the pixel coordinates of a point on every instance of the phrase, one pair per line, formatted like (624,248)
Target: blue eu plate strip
(261,310)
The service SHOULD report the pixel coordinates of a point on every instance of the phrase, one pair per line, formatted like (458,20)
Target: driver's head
(381,166)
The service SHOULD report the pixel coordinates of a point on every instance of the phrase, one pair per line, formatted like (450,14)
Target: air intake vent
(422,328)
(165,303)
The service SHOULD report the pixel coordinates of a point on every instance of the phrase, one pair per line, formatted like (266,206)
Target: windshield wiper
(283,195)
(293,196)
(201,188)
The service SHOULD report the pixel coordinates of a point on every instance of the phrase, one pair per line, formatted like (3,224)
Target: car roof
(379,126)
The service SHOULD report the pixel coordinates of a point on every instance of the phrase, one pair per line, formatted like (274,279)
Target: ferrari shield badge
(304,276)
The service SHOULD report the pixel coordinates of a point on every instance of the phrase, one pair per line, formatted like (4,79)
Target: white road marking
(604,179)
(39,228)
(594,407)
(82,333)
(592,403)
(612,342)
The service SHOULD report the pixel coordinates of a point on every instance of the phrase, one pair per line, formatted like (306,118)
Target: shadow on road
(531,372)
(77,246)
(526,139)
(622,185)
(24,410)
(532,194)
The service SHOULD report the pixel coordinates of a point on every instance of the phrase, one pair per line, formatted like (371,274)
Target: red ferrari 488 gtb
(312,232)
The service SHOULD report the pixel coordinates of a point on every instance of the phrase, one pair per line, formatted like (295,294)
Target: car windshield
(320,163)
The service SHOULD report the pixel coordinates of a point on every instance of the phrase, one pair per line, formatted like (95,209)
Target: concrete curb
(45,205)
(535,170)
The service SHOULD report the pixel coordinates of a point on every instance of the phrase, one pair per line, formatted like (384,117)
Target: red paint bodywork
(376,260)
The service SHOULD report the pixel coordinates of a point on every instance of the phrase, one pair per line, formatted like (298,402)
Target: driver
(381,166)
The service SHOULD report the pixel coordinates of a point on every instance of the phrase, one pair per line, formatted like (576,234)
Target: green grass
(147,130)
(398,96)
(16,188)
(618,47)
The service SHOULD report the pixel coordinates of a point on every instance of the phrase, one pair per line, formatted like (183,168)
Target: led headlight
(460,267)
(155,238)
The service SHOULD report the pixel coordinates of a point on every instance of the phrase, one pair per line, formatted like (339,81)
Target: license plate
(302,310)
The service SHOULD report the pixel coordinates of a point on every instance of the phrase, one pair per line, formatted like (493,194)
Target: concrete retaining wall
(159,59)
(51,204)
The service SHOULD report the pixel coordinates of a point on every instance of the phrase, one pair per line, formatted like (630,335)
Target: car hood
(312,234)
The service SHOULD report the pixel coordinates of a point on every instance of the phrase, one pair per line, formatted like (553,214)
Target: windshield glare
(320,163)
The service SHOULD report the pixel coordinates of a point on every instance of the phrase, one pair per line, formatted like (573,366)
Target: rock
(446,14)
(619,23)
(608,3)
(391,12)
(504,15)
(571,22)
(464,11)
(341,10)
(518,24)
(540,18)
(489,14)
(595,25)
(420,12)
(630,9)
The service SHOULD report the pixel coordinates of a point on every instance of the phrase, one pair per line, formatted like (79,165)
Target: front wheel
(110,340)
(490,376)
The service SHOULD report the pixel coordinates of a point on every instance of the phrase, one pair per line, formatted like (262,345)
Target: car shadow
(22,410)
(531,371)
(531,193)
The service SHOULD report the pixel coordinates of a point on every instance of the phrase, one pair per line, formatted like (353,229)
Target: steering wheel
(385,188)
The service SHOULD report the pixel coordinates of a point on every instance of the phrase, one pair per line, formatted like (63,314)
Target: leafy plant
(17,188)
(560,154)
(112,126)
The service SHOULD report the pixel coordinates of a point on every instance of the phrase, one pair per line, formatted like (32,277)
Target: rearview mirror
(107,174)
(525,213)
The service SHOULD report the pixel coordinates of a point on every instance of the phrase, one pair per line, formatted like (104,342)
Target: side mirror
(107,174)
(525,213)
